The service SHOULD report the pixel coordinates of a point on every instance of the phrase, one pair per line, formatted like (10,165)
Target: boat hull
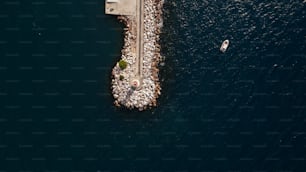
(224,46)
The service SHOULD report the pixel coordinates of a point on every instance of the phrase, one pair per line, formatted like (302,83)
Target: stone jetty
(137,85)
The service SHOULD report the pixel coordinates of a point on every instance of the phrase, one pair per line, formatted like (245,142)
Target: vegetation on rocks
(121,77)
(122,64)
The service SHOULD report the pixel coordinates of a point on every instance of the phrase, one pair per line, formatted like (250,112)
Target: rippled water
(243,110)
(267,42)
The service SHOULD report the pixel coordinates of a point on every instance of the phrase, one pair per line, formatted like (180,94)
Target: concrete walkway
(139,43)
(122,7)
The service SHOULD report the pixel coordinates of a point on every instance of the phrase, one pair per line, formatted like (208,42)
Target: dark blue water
(244,110)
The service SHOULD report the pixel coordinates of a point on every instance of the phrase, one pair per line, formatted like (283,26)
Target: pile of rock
(149,91)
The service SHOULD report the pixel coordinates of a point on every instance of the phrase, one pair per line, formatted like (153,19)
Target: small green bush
(121,77)
(122,64)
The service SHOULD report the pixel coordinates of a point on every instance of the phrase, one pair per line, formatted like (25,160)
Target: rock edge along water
(137,86)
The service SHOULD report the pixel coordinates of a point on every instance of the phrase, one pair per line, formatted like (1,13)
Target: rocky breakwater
(149,90)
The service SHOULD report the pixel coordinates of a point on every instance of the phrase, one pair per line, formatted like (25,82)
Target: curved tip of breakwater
(135,81)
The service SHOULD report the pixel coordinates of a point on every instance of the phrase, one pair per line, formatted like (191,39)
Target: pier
(131,8)
(137,84)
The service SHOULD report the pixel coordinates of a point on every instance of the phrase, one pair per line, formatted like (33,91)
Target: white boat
(224,46)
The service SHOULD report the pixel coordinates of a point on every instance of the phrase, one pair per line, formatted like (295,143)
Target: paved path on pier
(139,42)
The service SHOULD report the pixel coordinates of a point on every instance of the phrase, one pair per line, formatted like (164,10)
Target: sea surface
(244,110)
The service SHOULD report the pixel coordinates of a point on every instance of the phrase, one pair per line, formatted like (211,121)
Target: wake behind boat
(224,46)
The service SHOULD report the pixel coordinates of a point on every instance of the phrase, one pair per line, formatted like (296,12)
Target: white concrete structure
(120,7)
(112,1)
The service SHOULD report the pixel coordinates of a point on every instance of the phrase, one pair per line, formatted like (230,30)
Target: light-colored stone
(150,89)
